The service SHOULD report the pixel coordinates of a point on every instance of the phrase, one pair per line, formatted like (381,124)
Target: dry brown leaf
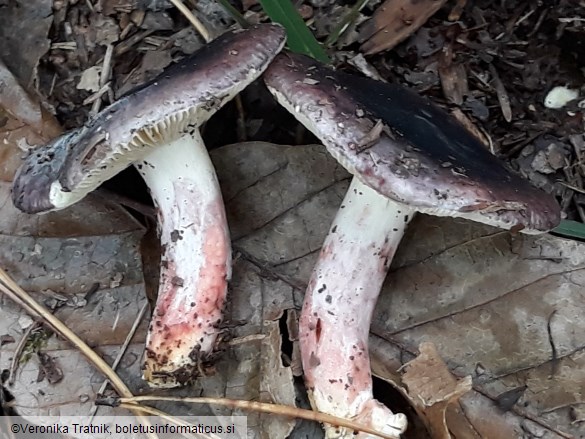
(104,249)
(23,123)
(484,297)
(16,102)
(453,77)
(277,384)
(431,388)
(24,26)
(454,82)
(60,257)
(394,21)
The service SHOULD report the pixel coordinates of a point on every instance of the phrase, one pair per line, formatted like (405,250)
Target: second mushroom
(406,156)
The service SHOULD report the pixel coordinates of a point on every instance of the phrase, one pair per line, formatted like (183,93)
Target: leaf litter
(480,321)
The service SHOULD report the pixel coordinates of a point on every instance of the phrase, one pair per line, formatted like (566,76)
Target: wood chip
(503,97)
(453,77)
(457,10)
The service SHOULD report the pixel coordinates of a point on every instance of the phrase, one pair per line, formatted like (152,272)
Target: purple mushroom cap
(406,148)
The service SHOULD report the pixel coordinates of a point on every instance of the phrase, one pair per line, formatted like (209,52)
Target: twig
(571,19)
(541,18)
(18,352)
(193,20)
(554,356)
(513,150)
(502,94)
(245,339)
(345,22)
(123,349)
(97,95)
(166,416)
(570,186)
(126,45)
(9,287)
(562,406)
(273,409)
(13,290)
(104,77)
(234,13)
(525,17)
(241,120)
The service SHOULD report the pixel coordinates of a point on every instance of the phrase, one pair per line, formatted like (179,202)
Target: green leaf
(300,38)
(571,229)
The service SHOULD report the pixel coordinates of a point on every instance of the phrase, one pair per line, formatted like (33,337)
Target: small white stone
(559,96)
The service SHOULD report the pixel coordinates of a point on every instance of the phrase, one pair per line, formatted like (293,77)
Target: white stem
(339,303)
(195,262)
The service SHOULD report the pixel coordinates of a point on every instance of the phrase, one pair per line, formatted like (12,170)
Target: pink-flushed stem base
(338,307)
(195,262)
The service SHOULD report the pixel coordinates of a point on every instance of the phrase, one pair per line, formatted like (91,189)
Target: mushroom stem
(195,261)
(338,307)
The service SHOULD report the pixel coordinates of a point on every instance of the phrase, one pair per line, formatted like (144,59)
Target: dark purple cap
(174,104)
(407,148)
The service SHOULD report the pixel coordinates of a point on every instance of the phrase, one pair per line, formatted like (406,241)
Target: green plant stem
(345,22)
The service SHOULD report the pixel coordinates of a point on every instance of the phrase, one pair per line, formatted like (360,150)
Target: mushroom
(156,128)
(406,156)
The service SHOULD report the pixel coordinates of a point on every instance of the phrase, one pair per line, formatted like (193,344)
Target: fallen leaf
(484,298)
(277,384)
(550,159)
(394,21)
(432,388)
(106,31)
(466,287)
(24,26)
(18,108)
(23,123)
